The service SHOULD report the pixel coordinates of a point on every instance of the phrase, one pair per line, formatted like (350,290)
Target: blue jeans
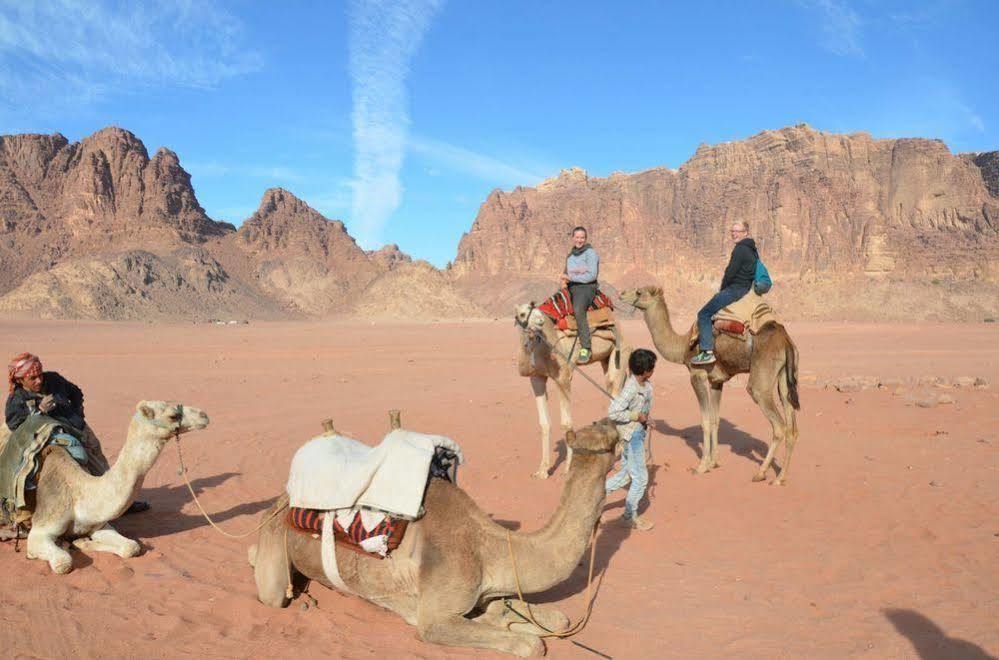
(632,467)
(724,298)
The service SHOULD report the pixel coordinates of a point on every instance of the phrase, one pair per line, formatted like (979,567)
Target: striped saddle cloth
(368,532)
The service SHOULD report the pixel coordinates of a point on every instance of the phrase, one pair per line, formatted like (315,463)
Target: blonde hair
(745,225)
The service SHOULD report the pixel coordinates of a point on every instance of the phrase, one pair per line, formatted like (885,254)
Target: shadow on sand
(930,642)
(742,443)
(165,518)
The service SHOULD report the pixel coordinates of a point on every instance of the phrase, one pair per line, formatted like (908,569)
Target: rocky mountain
(823,208)
(851,227)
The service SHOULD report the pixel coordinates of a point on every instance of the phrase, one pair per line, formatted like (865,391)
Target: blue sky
(400,117)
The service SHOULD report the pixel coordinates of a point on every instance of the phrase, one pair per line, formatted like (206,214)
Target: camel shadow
(742,443)
(165,517)
(512,525)
(930,641)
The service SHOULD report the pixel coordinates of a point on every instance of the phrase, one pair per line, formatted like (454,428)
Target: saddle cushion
(745,316)
(378,539)
(559,307)
(335,472)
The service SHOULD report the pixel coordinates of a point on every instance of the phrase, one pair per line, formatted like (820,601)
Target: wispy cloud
(81,50)
(215,169)
(841,26)
(384,36)
(481,166)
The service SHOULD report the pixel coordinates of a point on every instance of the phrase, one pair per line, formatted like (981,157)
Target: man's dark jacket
(68,398)
(741,270)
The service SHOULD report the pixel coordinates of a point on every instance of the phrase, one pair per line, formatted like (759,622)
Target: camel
(452,571)
(538,335)
(771,361)
(70,502)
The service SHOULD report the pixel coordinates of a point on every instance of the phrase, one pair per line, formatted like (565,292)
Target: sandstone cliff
(823,208)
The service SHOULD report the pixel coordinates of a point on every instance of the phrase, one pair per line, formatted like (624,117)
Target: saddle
(366,495)
(743,318)
(559,309)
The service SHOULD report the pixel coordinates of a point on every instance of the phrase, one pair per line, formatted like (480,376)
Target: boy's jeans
(633,468)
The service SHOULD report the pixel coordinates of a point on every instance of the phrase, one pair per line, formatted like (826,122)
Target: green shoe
(704,357)
(584,356)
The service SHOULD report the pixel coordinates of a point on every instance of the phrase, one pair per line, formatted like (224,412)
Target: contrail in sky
(384,35)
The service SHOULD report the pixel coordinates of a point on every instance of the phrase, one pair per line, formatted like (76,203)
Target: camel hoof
(541,474)
(759,477)
(777,482)
(131,550)
(701,469)
(531,647)
(61,566)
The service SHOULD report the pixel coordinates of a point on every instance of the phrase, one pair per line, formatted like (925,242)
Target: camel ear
(146,411)
(570,437)
(533,304)
(656,291)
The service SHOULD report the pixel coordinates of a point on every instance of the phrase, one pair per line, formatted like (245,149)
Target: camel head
(642,298)
(164,419)
(528,316)
(601,436)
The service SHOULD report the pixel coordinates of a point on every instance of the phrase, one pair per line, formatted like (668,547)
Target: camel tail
(791,372)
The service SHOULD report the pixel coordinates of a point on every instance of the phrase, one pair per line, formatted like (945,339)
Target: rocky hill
(851,227)
(825,210)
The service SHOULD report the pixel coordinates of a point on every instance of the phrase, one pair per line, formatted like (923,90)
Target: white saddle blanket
(335,472)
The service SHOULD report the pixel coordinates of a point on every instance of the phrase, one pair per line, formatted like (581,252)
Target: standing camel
(538,335)
(453,570)
(770,358)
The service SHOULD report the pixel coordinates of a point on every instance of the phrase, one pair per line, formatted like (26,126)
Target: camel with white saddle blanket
(452,570)
(548,350)
(749,340)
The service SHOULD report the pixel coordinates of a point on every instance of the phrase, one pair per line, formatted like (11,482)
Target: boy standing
(630,411)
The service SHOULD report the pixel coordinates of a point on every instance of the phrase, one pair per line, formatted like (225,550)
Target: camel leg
(715,394)
(699,381)
(761,387)
(42,544)
(269,558)
(498,614)
(107,539)
(459,631)
(565,415)
(790,431)
(540,388)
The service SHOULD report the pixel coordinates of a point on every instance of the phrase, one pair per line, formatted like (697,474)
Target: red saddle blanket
(559,306)
(311,521)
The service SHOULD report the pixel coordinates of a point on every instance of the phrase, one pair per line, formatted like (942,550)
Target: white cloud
(81,50)
(841,26)
(481,166)
(384,36)
(216,169)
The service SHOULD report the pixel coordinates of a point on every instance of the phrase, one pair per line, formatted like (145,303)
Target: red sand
(884,544)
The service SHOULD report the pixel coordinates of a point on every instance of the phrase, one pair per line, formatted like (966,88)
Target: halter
(523,325)
(179,409)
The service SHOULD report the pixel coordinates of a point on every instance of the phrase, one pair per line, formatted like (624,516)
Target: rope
(182,471)
(579,625)
(573,365)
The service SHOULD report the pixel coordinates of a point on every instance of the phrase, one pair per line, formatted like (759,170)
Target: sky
(399,118)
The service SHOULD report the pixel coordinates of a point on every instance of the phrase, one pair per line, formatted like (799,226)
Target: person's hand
(564,278)
(48,403)
(643,418)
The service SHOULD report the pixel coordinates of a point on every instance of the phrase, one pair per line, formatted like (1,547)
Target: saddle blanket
(751,312)
(559,306)
(360,529)
(334,472)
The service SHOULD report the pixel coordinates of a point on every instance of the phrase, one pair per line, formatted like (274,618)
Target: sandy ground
(885,543)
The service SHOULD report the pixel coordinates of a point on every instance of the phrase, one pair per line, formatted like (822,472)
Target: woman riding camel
(581,269)
(32,391)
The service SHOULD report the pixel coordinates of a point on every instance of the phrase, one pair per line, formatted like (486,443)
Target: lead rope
(579,625)
(182,471)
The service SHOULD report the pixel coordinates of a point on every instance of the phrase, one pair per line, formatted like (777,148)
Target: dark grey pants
(582,297)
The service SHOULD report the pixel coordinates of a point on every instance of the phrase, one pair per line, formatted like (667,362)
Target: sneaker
(637,523)
(704,357)
(584,356)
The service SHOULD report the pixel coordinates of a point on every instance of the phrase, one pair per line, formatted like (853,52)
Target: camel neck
(548,556)
(671,345)
(124,479)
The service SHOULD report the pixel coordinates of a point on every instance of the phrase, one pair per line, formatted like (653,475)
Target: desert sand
(884,544)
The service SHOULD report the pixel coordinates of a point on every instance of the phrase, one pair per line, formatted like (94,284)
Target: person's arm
(619,410)
(740,255)
(75,398)
(16,410)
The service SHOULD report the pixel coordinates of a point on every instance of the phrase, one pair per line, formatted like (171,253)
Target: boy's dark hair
(642,361)
(579,228)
